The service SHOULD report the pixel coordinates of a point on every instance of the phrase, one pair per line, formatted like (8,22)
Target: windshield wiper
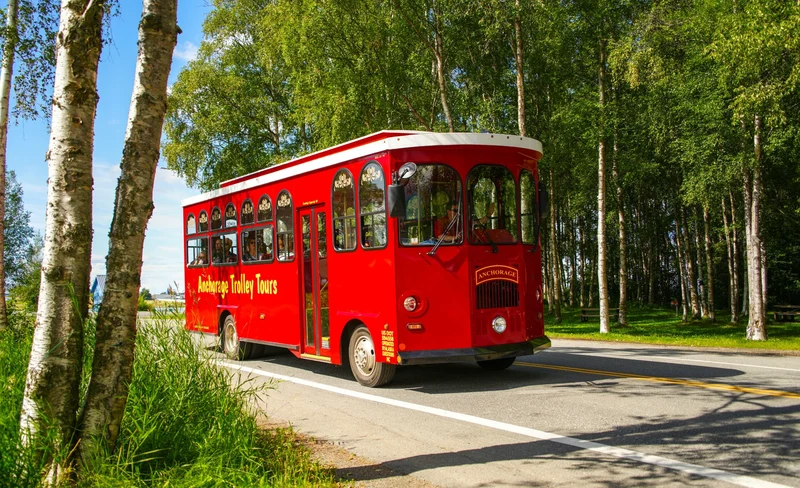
(453,222)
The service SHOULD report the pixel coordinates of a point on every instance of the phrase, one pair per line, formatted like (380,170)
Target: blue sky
(27,145)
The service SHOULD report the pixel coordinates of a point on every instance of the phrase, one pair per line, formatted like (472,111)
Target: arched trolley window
(264,209)
(248,213)
(230,216)
(216,219)
(372,206)
(191,225)
(285,217)
(202,222)
(344,211)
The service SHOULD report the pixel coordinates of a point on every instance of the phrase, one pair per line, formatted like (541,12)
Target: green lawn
(661,326)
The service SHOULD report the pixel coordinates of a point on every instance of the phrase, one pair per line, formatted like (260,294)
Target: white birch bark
(54,370)
(623,250)
(690,276)
(556,261)
(731,277)
(756,327)
(518,57)
(712,316)
(6,72)
(116,321)
(602,278)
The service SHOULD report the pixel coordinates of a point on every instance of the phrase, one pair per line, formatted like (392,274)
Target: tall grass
(188,422)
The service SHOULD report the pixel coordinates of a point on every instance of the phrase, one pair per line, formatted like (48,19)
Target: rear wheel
(497,364)
(363,361)
(231,345)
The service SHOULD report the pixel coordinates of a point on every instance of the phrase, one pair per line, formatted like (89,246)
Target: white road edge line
(528,432)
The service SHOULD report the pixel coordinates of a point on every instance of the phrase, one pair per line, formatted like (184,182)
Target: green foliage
(19,467)
(144,305)
(19,237)
(188,421)
(145,293)
(25,292)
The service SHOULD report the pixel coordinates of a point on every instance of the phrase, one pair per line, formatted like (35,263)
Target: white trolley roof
(353,150)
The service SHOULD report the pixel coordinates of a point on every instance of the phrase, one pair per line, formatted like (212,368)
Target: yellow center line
(674,381)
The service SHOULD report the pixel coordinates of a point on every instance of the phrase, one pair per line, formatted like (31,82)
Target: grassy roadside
(660,326)
(184,424)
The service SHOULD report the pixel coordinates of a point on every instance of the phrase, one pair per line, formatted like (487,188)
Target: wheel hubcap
(230,338)
(364,355)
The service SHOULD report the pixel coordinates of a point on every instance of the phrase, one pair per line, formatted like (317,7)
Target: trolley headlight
(410,304)
(499,324)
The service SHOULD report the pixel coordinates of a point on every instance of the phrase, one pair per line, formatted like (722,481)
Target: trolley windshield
(433,200)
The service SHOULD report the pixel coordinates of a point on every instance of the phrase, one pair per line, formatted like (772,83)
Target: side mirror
(397,201)
(397,192)
(544,199)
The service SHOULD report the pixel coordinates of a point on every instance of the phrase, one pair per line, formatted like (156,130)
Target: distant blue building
(97,289)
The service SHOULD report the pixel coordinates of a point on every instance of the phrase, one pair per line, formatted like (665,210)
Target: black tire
(363,360)
(497,364)
(231,345)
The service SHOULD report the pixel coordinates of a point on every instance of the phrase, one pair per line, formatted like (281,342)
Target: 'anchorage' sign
(496,272)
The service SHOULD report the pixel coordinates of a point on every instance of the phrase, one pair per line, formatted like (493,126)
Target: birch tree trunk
(556,261)
(701,283)
(690,276)
(756,327)
(735,251)
(438,43)
(518,58)
(681,274)
(623,261)
(6,72)
(54,370)
(712,316)
(583,263)
(601,200)
(731,278)
(116,321)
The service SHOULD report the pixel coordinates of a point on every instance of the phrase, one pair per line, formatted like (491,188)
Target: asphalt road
(579,414)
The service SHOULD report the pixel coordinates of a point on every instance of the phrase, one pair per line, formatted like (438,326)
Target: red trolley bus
(397,248)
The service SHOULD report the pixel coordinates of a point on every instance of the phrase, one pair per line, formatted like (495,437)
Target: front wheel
(497,364)
(231,345)
(366,369)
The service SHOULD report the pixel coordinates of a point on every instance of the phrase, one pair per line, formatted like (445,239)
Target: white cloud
(186,51)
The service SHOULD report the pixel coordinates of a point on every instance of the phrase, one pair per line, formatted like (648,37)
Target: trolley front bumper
(474,353)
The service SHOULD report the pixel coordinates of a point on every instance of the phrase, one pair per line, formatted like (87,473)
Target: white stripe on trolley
(641,457)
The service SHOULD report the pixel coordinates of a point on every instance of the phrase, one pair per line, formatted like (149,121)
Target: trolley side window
(202,222)
(216,219)
(230,216)
(372,202)
(257,245)
(224,249)
(529,213)
(191,225)
(197,252)
(248,213)
(285,216)
(432,195)
(264,209)
(344,211)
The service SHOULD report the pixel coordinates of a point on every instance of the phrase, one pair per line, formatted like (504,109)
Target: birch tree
(6,71)
(54,370)
(116,320)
